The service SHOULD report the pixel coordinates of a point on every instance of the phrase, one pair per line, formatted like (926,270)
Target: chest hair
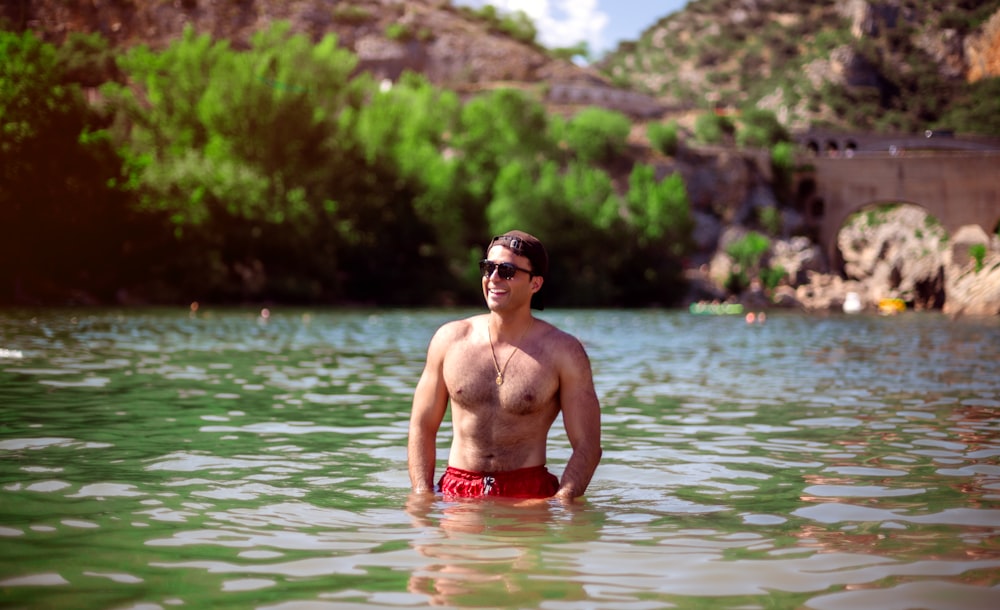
(471,380)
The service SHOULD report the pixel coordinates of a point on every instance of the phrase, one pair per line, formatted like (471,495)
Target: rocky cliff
(860,64)
(451,46)
(857,64)
(982,51)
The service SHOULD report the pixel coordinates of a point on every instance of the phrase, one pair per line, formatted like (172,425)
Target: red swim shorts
(533,482)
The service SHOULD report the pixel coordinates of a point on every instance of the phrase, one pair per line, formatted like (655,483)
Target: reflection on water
(156,459)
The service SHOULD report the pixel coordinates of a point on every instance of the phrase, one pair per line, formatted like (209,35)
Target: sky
(601,23)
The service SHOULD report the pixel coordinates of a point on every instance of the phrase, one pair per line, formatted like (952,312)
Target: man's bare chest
(524,383)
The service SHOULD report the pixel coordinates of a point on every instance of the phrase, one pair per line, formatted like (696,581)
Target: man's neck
(509,327)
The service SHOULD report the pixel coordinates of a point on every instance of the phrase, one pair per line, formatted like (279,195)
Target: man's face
(508,295)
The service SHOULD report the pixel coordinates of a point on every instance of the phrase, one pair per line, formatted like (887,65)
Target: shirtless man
(507,376)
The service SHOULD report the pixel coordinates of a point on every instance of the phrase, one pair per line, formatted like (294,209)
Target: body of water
(159,459)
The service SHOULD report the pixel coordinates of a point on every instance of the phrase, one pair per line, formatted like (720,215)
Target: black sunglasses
(506,271)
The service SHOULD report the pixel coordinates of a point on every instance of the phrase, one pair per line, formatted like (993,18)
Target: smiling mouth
(497,292)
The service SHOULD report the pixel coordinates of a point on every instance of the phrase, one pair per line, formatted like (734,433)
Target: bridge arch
(957,189)
(891,243)
(878,208)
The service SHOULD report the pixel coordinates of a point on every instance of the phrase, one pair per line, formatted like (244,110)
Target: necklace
(496,363)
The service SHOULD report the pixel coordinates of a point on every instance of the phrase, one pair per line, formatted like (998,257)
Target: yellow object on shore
(891,306)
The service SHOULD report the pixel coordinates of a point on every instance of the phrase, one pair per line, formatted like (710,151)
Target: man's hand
(565,496)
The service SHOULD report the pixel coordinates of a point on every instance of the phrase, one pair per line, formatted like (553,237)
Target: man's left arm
(581,412)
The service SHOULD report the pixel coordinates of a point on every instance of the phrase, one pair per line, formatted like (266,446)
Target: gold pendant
(499,378)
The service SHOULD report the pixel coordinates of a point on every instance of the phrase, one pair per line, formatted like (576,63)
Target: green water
(154,459)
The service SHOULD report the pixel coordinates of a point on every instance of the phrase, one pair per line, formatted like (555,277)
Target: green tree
(747,254)
(655,239)
(659,210)
(590,195)
(407,129)
(597,135)
(87,60)
(576,212)
(250,156)
(496,129)
(60,218)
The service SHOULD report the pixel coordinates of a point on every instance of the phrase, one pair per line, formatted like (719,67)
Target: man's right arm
(430,401)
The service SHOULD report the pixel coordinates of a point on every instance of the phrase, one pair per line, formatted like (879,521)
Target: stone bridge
(835,144)
(956,180)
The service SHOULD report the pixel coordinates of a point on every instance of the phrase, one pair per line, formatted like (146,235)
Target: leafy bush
(978,254)
(713,128)
(516,24)
(771,277)
(770,219)
(596,134)
(783,168)
(351,14)
(87,59)
(581,49)
(976,109)
(748,251)
(519,26)
(62,222)
(398,31)
(760,128)
(660,211)
(664,137)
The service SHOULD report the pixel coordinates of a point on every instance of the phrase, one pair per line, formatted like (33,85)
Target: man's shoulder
(551,332)
(560,340)
(457,329)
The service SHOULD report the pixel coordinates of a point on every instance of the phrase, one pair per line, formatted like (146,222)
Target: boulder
(982,51)
(974,292)
(896,253)
(971,282)
(799,257)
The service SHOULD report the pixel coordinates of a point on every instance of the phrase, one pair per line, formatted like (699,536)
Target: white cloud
(560,23)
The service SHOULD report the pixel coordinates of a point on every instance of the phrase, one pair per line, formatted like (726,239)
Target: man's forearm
(422,458)
(579,470)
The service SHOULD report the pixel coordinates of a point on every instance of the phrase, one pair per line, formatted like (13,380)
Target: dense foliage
(278,172)
(62,221)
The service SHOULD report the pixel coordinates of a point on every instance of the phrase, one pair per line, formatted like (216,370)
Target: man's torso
(500,427)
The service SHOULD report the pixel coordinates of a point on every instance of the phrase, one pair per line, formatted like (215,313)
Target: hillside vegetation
(893,65)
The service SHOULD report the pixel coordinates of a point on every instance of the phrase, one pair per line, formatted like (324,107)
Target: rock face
(786,59)
(896,253)
(902,253)
(888,252)
(973,283)
(428,36)
(982,51)
(450,46)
